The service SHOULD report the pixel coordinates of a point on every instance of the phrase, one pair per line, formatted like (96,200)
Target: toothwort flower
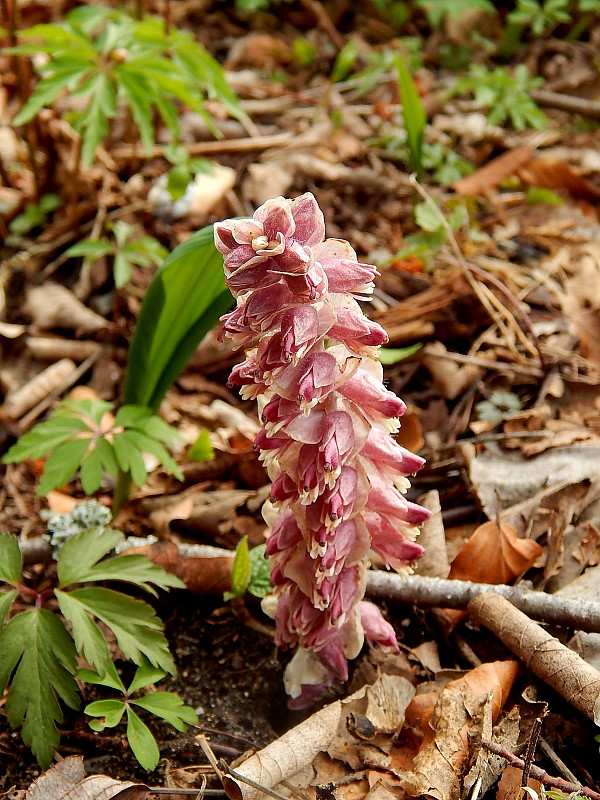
(339,477)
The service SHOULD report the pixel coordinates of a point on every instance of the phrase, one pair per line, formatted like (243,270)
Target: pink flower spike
(377,629)
(338,477)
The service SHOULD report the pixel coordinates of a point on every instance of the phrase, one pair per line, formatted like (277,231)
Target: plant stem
(122,491)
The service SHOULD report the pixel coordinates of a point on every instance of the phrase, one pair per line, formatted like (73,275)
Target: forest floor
(490,262)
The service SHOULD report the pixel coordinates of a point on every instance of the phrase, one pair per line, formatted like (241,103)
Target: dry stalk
(562,669)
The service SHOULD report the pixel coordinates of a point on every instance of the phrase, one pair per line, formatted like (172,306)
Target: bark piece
(53,348)
(561,668)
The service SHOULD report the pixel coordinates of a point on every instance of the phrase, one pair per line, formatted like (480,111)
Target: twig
(567,102)
(427,592)
(323,21)
(558,666)
(539,774)
(530,752)
(194,792)
(206,148)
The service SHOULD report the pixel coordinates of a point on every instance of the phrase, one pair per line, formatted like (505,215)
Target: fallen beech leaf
(494,554)
(486,178)
(509,787)
(203,569)
(547,172)
(450,378)
(67,781)
(464,706)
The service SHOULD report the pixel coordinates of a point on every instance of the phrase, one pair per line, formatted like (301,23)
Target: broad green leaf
(81,552)
(141,741)
(134,623)
(11,561)
(130,415)
(62,464)
(414,115)
(111,712)
(182,303)
(391,355)
(170,707)
(131,568)
(39,656)
(145,675)
(260,574)
(427,217)
(107,456)
(6,600)
(110,678)
(240,573)
(201,449)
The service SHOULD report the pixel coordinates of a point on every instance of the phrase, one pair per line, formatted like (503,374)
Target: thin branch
(539,774)
(567,102)
(428,592)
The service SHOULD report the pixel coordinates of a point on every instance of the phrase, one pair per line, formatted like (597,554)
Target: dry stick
(562,669)
(565,102)
(539,774)
(323,20)
(427,592)
(206,148)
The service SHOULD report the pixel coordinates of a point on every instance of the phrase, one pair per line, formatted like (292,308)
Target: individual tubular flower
(339,478)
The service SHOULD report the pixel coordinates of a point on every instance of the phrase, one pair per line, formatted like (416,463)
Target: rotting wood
(427,592)
(562,669)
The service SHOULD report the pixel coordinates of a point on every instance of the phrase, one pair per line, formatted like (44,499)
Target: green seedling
(109,713)
(125,249)
(82,436)
(38,652)
(250,572)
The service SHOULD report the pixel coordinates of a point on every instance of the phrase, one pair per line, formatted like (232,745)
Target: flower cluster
(339,477)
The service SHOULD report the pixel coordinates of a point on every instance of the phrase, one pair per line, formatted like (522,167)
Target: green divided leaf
(111,712)
(145,675)
(134,623)
(11,561)
(6,600)
(62,464)
(81,552)
(170,707)
(89,641)
(39,655)
(182,303)
(141,741)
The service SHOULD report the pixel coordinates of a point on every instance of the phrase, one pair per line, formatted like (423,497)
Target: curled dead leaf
(67,780)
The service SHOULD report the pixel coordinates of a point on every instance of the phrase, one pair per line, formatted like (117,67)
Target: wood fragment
(52,348)
(567,102)
(429,592)
(206,148)
(38,388)
(561,668)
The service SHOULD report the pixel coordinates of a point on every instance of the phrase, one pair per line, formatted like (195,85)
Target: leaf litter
(529,480)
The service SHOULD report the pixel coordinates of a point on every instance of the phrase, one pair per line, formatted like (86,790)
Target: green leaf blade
(11,560)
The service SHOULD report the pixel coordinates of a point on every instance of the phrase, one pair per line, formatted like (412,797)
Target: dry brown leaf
(461,708)
(207,572)
(548,172)
(450,378)
(495,554)
(509,787)
(67,781)
(487,178)
(434,562)
(587,322)
(61,503)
